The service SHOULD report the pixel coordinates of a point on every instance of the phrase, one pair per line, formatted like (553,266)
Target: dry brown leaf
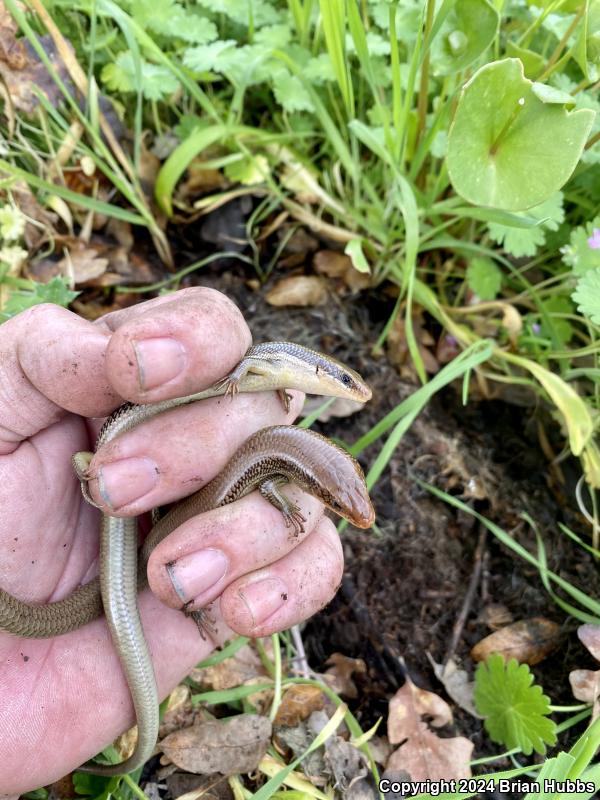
(184,786)
(22,71)
(408,705)
(298,290)
(589,636)
(339,265)
(397,346)
(585,684)
(240,668)
(529,641)
(339,676)
(82,263)
(495,616)
(347,764)
(457,683)
(233,746)
(332,263)
(426,756)
(298,703)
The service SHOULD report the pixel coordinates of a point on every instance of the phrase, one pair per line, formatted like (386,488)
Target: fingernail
(122,482)
(193,575)
(263,598)
(159,361)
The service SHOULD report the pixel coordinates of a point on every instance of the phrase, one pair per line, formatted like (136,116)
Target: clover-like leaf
(525,241)
(484,278)
(515,709)
(508,148)
(587,295)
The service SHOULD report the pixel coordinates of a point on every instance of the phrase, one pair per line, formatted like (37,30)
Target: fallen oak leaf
(408,705)
(232,746)
(528,640)
(298,703)
(457,683)
(298,290)
(340,672)
(585,684)
(426,756)
(589,636)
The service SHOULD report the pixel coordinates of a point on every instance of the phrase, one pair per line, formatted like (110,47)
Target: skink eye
(346,379)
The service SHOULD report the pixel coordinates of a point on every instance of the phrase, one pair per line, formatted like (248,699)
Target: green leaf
(157,82)
(484,278)
(249,170)
(562,330)
(515,709)
(257,12)
(466,33)
(508,149)
(169,18)
(587,295)
(533,63)
(357,256)
(586,50)
(583,251)
(55,291)
(290,93)
(206,57)
(525,241)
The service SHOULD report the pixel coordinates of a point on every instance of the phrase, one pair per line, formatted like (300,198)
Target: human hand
(64,699)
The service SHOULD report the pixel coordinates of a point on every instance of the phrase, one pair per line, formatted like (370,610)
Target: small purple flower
(536,328)
(594,240)
(450,340)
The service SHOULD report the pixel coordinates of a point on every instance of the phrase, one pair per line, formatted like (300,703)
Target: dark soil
(404,585)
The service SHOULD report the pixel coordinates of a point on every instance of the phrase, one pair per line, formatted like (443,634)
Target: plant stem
(561,45)
(424,86)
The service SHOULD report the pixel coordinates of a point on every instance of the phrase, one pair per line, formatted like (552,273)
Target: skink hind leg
(291,512)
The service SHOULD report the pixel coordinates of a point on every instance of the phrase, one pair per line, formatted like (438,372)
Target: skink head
(337,479)
(313,372)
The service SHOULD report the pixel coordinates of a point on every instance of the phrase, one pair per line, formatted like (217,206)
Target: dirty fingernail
(122,482)
(263,598)
(159,361)
(193,575)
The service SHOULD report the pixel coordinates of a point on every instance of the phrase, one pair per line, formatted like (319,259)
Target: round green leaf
(508,149)
(466,33)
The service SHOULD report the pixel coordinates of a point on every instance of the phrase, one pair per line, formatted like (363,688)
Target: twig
(469,595)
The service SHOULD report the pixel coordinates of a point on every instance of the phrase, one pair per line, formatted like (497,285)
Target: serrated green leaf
(290,93)
(258,12)
(204,58)
(55,291)
(515,709)
(248,171)
(583,251)
(587,295)
(157,81)
(525,241)
(484,278)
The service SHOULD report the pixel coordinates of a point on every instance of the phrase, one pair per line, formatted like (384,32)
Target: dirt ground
(404,585)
